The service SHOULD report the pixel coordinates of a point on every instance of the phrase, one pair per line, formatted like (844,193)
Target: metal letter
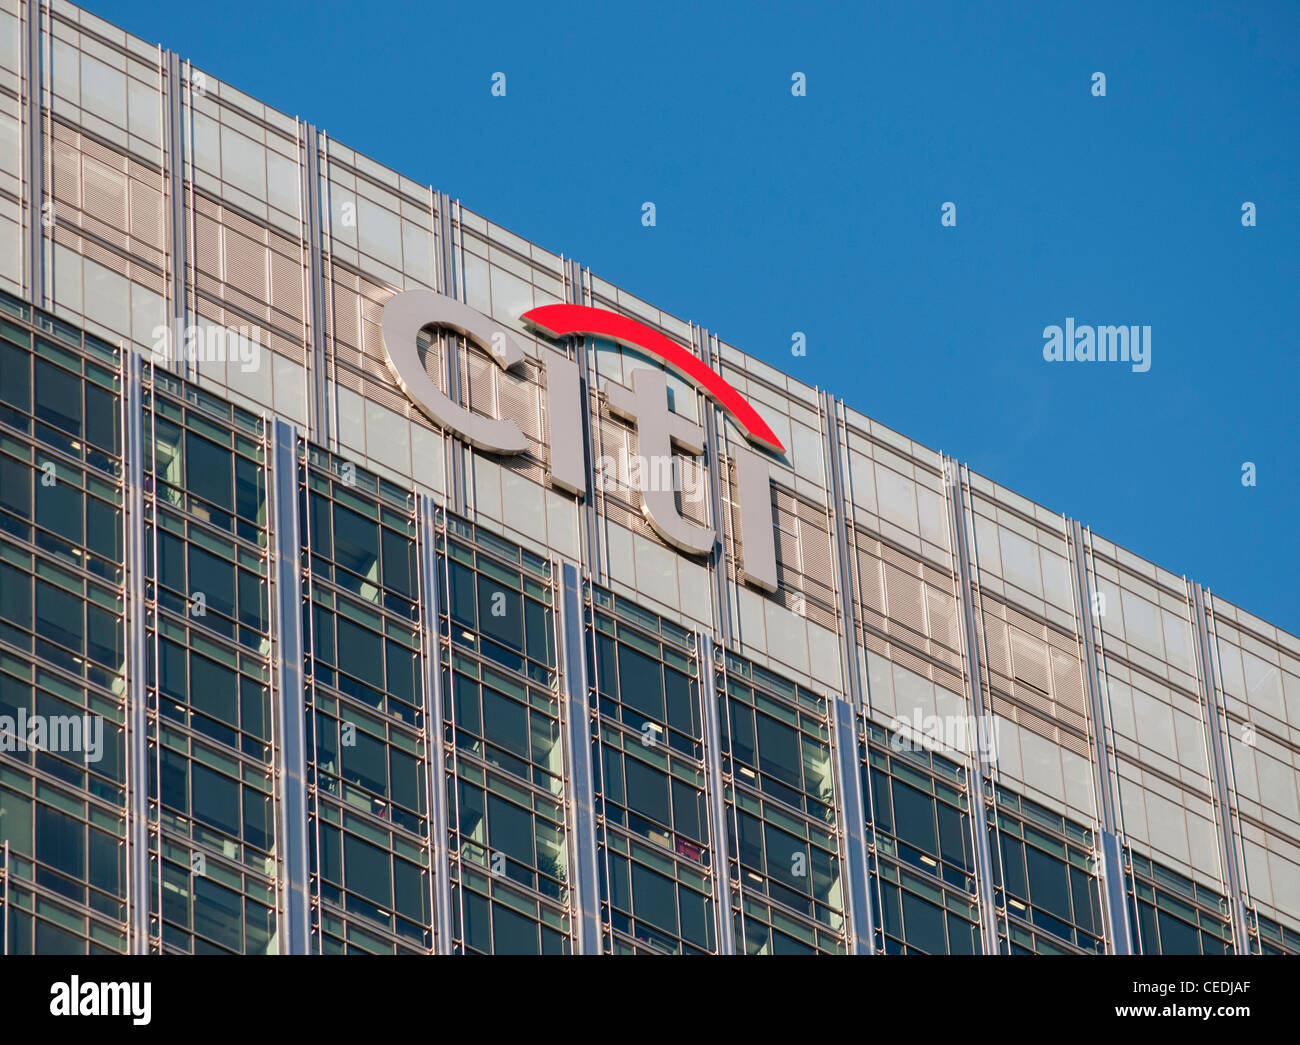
(757,531)
(404,317)
(564,408)
(657,430)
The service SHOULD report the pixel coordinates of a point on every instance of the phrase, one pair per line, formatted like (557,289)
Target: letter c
(404,317)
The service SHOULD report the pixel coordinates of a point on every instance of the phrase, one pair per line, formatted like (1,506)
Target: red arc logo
(563,320)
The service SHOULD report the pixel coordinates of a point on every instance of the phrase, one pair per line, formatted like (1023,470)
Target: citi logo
(1085,344)
(92,998)
(645,404)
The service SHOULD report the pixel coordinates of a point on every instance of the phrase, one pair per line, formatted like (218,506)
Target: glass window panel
(409,893)
(174,780)
(103,637)
(257,819)
(217,913)
(510,830)
(364,763)
(214,578)
(208,471)
(478,922)
(59,509)
(925,925)
(214,689)
(103,529)
(356,542)
(405,773)
(58,616)
(15,377)
(399,563)
(15,487)
(1049,885)
(647,791)
(538,632)
(778,750)
(367,870)
(683,708)
(462,595)
(58,397)
(101,418)
(216,800)
(106,862)
(696,919)
(1176,936)
(1013,867)
(914,817)
(512,932)
(15,596)
(641,683)
(505,722)
(654,898)
(361,652)
(60,841)
(688,810)
(501,613)
(249,502)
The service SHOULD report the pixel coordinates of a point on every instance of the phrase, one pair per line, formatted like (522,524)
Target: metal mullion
(719,838)
(431,640)
(975,694)
(580,785)
(1220,765)
(136,720)
(1113,883)
(294,878)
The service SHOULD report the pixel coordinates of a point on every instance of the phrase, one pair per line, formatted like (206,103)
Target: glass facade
(654,847)
(507,838)
(784,860)
(923,875)
(63,800)
(369,829)
(286,667)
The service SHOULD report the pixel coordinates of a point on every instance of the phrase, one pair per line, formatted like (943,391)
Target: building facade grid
(363,687)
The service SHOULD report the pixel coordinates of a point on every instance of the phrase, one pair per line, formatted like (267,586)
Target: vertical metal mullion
(176,285)
(1087,634)
(4,905)
(318,415)
(1220,766)
(860,928)
(713,461)
(34,159)
(430,637)
(453,446)
(291,715)
(975,693)
(137,740)
(580,785)
(858,914)
(719,841)
(1115,892)
(590,546)
(328,345)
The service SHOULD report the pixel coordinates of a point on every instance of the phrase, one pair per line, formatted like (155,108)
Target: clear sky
(821,213)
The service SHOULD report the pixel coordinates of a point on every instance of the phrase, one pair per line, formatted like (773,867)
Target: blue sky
(821,214)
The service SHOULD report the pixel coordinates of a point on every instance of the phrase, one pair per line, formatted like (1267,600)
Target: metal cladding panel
(296,898)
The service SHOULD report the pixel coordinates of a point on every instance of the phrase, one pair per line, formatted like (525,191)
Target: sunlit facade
(358,686)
